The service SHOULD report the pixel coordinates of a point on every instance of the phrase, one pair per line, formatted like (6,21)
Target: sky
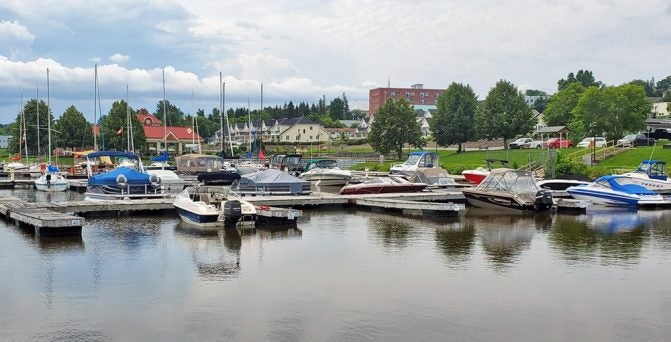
(304,50)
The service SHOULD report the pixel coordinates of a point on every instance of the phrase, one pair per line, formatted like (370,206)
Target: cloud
(119,58)
(15,39)
(265,66)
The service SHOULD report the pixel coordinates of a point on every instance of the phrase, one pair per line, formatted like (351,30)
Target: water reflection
(215,254)
(503,237)
(615,235)
(393,233)
(456,241)
(134,233)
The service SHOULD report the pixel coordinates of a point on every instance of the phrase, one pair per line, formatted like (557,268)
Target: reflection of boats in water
(215,254)
(613,220)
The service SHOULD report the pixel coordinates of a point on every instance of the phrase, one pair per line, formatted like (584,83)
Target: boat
(51,180)
(213,206)
(171,183)
(194,164)
(615,190)
(222,177)
(122,182)
(557,187)
(422,159)
(477,175)
(270,182)
(509,190)
(275,161)
(325,172)
(291,163)
(650,174)
(382,185)
(435,178)
(160,162)
(247,166)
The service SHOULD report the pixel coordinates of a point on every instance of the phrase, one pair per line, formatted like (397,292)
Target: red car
(557,143)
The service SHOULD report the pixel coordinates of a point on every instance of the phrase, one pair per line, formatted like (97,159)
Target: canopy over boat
(123,154)
(510,180)
(273,179)
(163,157)
(111,178)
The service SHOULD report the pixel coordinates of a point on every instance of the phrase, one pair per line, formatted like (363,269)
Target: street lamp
(593,128)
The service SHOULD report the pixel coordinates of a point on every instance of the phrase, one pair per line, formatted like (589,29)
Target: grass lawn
(630,159)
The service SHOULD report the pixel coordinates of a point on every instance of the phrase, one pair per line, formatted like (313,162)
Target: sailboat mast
(228,125)
(261,121)
(249,118)
(38,123)
(22,130)
(128,120)
(165,117)
(95,118)
(222,94)
(193,122)
(48,117)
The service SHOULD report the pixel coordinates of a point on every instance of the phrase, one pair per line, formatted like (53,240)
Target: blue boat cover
(129,155)
(161,157)
(52,168)
(634,189)
(420,153)
(109,178)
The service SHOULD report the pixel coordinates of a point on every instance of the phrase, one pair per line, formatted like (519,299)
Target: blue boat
(124,182)
(616,190)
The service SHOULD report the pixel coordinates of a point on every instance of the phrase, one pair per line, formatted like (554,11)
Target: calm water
(344,275)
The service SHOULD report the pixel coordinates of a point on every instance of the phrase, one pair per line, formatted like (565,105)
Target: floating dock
(43,220)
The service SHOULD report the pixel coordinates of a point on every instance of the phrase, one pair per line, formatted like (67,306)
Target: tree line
(72,130)
(586,106)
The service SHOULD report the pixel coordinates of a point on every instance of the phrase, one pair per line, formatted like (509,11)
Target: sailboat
(16,164)
(51,180)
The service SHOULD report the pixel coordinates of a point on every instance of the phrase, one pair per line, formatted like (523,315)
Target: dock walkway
(44,221)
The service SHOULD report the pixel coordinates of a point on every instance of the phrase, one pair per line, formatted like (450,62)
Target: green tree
(337,109)
(30,111)
(559,109)
(534,92)
(612,111)
(453,122)
(504,113)
(648,87)
(584,77)
(73,129)
(393,126)
(114,121)
(664,84)
(175,115)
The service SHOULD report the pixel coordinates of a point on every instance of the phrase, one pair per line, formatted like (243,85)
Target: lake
(343,275)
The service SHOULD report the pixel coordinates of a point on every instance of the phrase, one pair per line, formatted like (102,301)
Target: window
(287,138)
(298,137)
(310,127)
(310,137)
(303,130)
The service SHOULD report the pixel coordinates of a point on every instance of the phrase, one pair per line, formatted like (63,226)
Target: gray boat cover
(274,177)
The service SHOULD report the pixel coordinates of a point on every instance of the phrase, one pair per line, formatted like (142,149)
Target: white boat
(170,181)
(557,187)
(651,174)
(422,159)
(436,177)
(511,190)
(213,206)
(16,166)
(51,180)
(614,190)
(325,172)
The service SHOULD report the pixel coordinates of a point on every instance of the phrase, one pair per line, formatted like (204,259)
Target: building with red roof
(176,137)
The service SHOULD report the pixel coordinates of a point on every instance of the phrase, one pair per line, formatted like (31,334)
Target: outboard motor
(232,212)
(48,180)
(543,200)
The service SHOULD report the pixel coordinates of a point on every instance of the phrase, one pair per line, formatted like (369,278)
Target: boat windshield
(652,169)
(518,182)
(412,160)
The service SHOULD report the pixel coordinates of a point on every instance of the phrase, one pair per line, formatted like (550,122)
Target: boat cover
(432,176)
(128,155)
(274,177)
(52,168)
(109,178)
(163,157)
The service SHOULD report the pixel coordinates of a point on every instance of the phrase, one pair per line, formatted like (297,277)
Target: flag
(118,133)
(261,156)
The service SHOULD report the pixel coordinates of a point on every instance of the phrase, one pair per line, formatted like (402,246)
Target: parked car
(559,143)
(525,143)
(661,133)
(633,140)
(589,142)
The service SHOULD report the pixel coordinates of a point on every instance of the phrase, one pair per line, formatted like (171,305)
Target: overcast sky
(301,50)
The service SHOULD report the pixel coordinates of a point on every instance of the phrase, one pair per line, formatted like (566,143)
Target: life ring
(122,180)
(155,181)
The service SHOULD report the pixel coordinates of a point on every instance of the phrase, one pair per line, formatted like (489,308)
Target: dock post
(11,175)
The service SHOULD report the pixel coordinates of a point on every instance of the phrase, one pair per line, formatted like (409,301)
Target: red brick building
(416,95)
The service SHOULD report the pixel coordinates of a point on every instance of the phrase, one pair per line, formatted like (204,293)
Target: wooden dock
(12,183)
(412,208)
(43,220)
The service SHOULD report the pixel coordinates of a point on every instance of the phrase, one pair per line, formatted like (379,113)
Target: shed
(552,131)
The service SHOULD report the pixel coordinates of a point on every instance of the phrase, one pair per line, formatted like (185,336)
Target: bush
(597,171)
(567,167)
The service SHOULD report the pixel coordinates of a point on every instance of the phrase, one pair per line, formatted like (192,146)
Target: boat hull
(359,189)
(202,220)
(53,187)
(656,185)
(504,202)
(475,176)
(604,197)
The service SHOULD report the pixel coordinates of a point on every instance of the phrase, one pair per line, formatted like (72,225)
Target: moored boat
(421,159)
(122,182)
(479,174)
(325,172)
(510,190)
(51,180)
(615,190)
(650,174)
(270,182)
(213,206)
(382,185)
